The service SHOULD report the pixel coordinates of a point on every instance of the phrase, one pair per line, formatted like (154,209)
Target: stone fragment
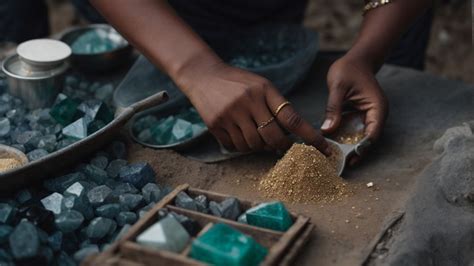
(114,167)
(181,130)
(137,174)
(96,110)
(151,193)
(124,188)
(63,259)
(100,162)
(99,195)
(53,202)
(7,213)
(69,221)
(80,204)
(161,132)
(24,241)
(118,150)
(191,226)
(29,139)
(124,218)
(202,203)
(5,127)
(105,92)
(131,201)
(271,215)
(60,184)
(100,227)
(36,154)
(184,201)
(65,111)
(224,245)
(167,234)
(96,174)
(39,216)
(83,253)
(229,208)
(5,231)
(55,241)
(48,143)
(77,130)
(23,196)
(78,189)
(108,210)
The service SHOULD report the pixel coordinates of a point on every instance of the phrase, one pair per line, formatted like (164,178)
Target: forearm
(381,29)
(159,33)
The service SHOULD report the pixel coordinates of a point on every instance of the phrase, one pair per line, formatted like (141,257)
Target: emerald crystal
(65,110)
(271,215)
(224,245)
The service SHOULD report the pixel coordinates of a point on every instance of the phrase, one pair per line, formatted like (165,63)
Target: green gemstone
(65,110)
(271,215)
(161,133)
(182,130)
(224,245)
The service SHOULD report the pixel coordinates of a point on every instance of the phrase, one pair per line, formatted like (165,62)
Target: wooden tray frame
(282,246)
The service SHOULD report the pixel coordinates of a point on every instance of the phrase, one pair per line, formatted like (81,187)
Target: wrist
(188,72)
(364,58)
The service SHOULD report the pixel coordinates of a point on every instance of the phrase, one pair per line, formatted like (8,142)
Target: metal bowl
(37,89)
(105,61)
(170,110)
(10,152)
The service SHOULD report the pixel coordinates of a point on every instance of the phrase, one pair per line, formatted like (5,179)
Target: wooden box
(282,246)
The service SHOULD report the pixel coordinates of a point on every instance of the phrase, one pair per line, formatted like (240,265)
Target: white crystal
(167,234)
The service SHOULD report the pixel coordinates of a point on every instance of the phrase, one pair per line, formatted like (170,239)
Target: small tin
(36,73)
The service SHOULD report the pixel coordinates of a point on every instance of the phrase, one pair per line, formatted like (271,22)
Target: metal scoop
(352,125)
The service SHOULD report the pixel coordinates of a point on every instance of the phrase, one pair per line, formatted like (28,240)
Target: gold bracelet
(374,4)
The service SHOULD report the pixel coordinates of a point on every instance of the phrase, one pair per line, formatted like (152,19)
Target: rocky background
(450,53)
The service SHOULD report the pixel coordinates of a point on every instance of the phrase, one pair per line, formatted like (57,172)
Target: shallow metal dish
(105,61)
(170,110)
(61,159)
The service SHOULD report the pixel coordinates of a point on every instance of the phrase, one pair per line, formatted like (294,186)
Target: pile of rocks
(78,214)
(186,124)
(81,109)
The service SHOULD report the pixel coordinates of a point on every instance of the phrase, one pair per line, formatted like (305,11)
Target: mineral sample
(167,234)
(24,241)
(69,221)
(99,195)
(137,174)
(100,227)
(184,201)
(224,245)
(229,208)
(53,202)
(7,213)
(271,215)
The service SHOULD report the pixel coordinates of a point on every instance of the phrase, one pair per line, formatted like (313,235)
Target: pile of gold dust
(8,164)
(350,138)
(303,175)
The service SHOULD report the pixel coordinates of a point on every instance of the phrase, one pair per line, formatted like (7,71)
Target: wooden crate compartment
(282,246)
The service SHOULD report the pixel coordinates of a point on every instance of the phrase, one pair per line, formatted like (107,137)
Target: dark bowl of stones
(175,127)
(97,47)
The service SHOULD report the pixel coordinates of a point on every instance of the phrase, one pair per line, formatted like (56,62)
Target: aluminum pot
(36,88)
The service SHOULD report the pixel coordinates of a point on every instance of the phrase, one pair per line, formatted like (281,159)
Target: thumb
(333,110)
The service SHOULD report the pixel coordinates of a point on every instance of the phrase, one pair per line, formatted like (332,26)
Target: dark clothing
(214,20)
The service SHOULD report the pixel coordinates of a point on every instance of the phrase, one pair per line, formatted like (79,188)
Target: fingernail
(327,123)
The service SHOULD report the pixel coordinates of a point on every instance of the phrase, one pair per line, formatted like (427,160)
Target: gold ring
(281,106)
(266,123)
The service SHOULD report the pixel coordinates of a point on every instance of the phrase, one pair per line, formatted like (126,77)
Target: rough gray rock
(437,225)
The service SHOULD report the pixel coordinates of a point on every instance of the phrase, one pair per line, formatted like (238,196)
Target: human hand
(353,81)
(238,108)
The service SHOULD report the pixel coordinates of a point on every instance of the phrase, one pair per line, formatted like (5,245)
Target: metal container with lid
(36,73)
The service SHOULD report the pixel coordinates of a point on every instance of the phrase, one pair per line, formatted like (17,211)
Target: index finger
(288,118)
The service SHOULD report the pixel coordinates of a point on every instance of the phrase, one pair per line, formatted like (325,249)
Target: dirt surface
(344,228)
